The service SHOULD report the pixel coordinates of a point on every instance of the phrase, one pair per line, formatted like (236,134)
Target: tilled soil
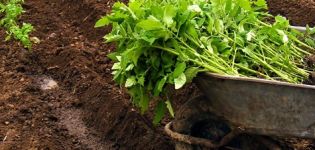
(61,95)
(299,12)
(83,108)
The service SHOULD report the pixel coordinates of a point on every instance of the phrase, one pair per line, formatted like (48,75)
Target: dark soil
(86,110)
(299,12)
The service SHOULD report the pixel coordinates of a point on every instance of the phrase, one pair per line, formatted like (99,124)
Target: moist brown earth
(86,110)
(299,12)
(61,95)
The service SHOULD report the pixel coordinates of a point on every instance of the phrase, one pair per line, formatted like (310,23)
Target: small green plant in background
(162,42)
(10,10)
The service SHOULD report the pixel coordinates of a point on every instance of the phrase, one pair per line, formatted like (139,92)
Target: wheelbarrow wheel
(193,123)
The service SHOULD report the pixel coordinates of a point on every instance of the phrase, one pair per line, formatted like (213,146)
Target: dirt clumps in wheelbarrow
(310,62)
(311,79)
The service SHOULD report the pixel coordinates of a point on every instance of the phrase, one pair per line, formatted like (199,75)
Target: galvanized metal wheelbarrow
(250,105)
(247,105)
(262,106)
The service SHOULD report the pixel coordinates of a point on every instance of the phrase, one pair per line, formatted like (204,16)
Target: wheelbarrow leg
(192,113)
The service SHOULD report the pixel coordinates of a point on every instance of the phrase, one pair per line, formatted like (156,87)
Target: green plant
(11,10)
(162,42)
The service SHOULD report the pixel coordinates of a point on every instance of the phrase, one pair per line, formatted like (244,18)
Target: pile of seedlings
(161,42)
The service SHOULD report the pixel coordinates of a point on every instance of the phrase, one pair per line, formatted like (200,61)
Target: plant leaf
(179,69)
(228,6)
(150,24)
(116,66)
(161,83)
(159,113)
(170,108)
(130,81)
(180,81)
(144,103)
(141,80)
(113,56)
(169,14)
(191,73)
(130,67)
(102,22)
(245,4)
(219,26)
(191,30)
(261,3)
(112,38)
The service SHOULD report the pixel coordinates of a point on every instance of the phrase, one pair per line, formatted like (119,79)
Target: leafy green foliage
(11,10)
(161,42)
(159,112)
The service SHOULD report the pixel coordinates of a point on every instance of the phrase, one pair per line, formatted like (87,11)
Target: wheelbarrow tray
(261,106)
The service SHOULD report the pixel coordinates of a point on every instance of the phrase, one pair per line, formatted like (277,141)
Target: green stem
(209,68)
(167,50)
(253,71)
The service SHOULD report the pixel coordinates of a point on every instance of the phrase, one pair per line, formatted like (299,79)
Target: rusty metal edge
(257,80)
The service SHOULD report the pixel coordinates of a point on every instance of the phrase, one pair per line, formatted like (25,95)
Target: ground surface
(87,110)
(61,95)
(300,12)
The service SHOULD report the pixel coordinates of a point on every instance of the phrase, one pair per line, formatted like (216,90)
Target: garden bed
(85,110)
